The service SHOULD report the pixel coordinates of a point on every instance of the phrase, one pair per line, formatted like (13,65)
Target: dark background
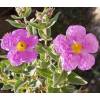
(69,16)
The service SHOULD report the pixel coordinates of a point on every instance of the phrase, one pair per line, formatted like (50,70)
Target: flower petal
(91,44)
(74,30)
(7,42)
(69,62)
(20,33)
(28,56)
(60,44)
(17,58)
(32,41)
(10,40)
(14,58)
(86,62)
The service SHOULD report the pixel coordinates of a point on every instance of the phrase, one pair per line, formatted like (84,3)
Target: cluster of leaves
(44,74)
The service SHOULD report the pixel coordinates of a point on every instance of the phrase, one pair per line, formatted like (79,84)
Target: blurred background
(86,16)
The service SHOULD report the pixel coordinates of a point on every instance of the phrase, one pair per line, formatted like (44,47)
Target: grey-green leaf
(44,72)
(15,24)
(75,79)
(38,25)
(53,20)
(53,90)
(61,78)
(16,17)
(68,89)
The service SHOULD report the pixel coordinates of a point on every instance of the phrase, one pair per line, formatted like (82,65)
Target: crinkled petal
(28,55)
(10,40)
(60,43)
(86,62)
(14,58)
(32,41)
(91,43)
(76,30)
(20,33)
(69,62)
(7,42)
(17,58)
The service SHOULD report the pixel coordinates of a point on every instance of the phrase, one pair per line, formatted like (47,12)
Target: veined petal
(7,42)
(69,62)
(32,41)
(17,58)
(76,30)
(86,62)
(19,33)
(14,57)
(28,55)
(60,43)
(91,44)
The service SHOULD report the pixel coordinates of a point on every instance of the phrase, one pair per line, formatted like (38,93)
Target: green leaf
(61,78)
(7,87)
(53,20)
(44,72)
(51,54)
(31,29)
(4,63)
(44,64)
(34,30)
(40,48)
(28,11)
(42,35)
(75,79)
(15,24)
(49,32)
(19,84)
(68,89)
(16,17)
(53,90)
(18,69)
(33,83)
(38,25)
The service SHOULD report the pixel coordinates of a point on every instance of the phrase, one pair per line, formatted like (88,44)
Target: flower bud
(49,12)
(39,16)
(23,11)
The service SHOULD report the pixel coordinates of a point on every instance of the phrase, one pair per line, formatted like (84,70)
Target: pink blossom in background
(76,48)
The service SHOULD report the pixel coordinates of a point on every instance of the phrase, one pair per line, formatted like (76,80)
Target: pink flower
(76,48)
(20,45)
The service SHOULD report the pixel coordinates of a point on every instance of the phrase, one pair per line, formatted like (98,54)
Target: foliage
(44,74)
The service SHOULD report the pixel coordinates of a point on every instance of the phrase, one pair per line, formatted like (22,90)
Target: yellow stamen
(76,47)
(21,46)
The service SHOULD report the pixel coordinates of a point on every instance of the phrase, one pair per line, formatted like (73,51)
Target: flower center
(21,46)
(76,47)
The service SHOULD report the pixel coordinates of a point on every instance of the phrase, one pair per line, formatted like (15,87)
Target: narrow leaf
(15,24)
(44,72)
(75,79)
(53,20)
(16,17)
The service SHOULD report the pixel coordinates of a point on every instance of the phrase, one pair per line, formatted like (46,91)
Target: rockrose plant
(34,62)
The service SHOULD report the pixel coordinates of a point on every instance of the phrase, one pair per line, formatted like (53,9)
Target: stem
(45,42)
(25,20)
(45,52)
